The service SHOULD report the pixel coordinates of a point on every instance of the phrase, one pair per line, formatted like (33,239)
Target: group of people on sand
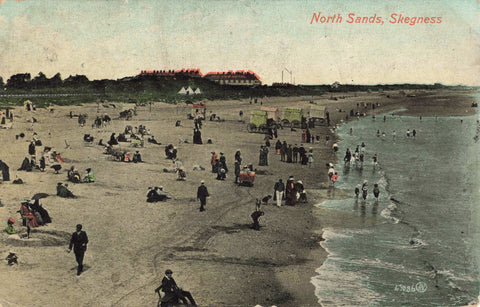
(291,191)
(32,214)
(219,164)
(74,176)
(48,157)
(294,154)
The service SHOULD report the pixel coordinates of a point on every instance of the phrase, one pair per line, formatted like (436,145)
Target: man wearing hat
(202,194)
(172,292)
(79,242)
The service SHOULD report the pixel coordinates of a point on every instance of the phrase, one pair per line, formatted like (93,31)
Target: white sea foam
(387,213)
(330,287)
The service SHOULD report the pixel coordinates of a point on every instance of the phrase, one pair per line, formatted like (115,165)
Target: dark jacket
(168,285)
(202,192)
(279,186)
(79,241)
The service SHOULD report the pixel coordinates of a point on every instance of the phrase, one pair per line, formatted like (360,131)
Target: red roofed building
(239,77)
(191,72)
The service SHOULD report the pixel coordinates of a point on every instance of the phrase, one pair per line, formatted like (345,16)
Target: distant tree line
(25,81)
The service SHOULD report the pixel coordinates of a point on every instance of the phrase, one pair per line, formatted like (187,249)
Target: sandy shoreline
(214,254)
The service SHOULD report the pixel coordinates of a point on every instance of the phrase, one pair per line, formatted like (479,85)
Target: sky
(110,39)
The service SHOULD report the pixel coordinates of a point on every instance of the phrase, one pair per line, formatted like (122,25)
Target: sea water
(419,243)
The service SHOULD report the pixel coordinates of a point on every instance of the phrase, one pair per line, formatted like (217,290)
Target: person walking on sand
(357,190)
(202,194)
(79,243)
(279,189)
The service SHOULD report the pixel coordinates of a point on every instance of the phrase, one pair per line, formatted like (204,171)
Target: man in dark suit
(202,194)
(79,242)
(172,292)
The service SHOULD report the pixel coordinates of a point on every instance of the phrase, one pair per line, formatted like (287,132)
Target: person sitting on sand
(10,230)
(63,191)
(90,177)
(173,293)
(113,140)
(73,175)
(153,141)
(180,170)
(137,157)
(157,194)
(12,258)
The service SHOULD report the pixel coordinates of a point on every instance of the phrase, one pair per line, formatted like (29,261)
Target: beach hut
(292,116)
(272,112)
(316,112)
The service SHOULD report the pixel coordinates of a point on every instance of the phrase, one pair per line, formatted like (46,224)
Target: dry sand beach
(213,254)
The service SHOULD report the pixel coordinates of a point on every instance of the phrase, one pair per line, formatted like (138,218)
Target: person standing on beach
(295,153)
(237,170)
(289,154)
(31,149)
(414,132)
(334,178)
(331,171)
(291,192)
(376,191)
(213,162)
(279,189)
(357,190)
(310,157)
(365,190)
(283,151)
(79,242)
(202,194)
(278,147)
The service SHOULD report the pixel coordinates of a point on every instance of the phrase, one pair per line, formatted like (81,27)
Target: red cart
(247,177)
